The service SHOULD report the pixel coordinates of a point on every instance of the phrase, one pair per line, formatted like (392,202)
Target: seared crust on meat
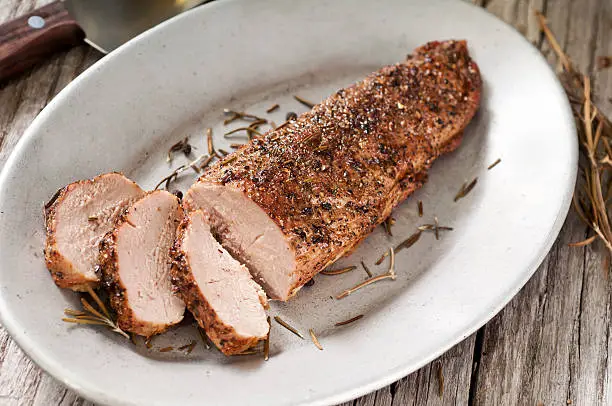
(223,336)
(117,291)
(62,270)
(330,177)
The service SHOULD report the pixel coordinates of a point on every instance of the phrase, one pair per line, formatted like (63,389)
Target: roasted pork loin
(77,218)
(217,289)
(135,263)
(292,202)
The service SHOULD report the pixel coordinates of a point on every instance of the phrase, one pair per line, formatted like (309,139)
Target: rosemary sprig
(594,134)
(338,271)
(315,340)
(93,316)
(420,208)
(288,327)
(390,274)
(349,321)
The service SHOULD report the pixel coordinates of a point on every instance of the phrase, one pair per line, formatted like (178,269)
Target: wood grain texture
(23,46)
(550,344)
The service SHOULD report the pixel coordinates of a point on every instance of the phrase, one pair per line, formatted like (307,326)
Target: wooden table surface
(550,345)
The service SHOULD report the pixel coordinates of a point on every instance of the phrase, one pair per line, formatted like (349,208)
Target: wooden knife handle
(31,39)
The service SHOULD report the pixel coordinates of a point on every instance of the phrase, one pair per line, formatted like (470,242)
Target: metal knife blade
(110,23)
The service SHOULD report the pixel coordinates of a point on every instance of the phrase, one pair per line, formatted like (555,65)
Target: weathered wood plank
(603,47)
(550,345)
(527,347)
(423,387)
(588,36)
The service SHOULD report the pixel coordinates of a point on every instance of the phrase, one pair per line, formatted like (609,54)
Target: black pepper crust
(222,335)
(328,178)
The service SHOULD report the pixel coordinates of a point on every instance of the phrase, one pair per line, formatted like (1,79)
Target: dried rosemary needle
(182,145)
(93,316)
(465,189)
(494,164)
(168,179)
(209,142)
(338,271)
(349,321)
(288,327)
(304,101)
(315,340)
(407,243)
(246,129)
(366,269)
(189,347)
(267,342)
(389,221)
(272,108)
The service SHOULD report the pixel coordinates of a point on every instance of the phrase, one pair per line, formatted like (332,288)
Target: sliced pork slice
(77,218)
(217,289)
(293,201)
(135,262)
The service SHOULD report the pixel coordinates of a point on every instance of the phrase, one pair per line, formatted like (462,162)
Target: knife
(104,24)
